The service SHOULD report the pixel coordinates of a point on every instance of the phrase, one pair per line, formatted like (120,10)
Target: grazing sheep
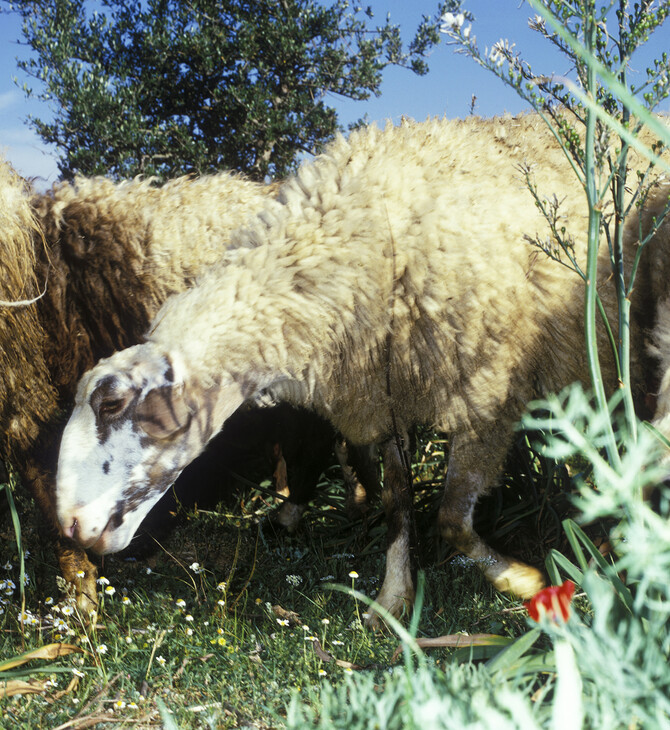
(392,284)
(27,398)
(105,256)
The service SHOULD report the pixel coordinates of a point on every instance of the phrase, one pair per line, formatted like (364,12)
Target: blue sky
(445,91)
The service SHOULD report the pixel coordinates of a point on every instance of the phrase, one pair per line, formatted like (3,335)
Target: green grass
(224,658)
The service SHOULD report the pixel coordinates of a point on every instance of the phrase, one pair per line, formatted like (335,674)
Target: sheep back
(421,231)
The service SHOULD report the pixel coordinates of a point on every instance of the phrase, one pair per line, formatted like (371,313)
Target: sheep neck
(305,325)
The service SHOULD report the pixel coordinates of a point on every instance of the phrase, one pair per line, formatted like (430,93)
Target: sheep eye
(111,407)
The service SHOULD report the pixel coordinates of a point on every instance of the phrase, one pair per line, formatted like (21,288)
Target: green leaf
(509,658)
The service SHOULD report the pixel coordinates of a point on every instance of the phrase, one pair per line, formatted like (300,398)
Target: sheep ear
(163,412)
(222,401)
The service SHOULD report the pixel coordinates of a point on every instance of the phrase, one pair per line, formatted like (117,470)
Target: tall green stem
(621,287)
(594,203)
(622,292)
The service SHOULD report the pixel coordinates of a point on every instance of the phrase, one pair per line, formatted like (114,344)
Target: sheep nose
(73,530)
(81,535)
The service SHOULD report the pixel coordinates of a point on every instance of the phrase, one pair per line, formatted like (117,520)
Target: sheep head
(138,421)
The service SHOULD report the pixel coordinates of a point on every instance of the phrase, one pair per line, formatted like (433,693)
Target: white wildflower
(501,52)
(451,21)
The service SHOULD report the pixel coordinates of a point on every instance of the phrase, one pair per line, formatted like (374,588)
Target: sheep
(27,398)
(104,256)
(382,300)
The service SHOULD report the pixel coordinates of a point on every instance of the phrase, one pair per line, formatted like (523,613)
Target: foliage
(629,594)
(608,667)
(6,489)
(165,87)
(220,624)
(426,698)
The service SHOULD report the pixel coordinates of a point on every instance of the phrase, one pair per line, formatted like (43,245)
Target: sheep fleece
(393,283)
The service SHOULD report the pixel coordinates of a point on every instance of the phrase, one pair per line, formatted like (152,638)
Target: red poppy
(553,602)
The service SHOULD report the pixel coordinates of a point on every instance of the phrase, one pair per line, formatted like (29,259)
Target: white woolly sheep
(113,253)
(392,285)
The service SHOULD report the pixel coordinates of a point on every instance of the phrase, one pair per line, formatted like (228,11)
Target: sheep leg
(289,514)
(75,567)
(397,592)
(306,446)
(360,473)
(474,464)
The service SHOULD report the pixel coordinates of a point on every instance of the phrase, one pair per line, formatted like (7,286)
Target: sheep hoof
(520,579)
(397,605)
(288,516)
(87,598)
(79,578)
(356,503)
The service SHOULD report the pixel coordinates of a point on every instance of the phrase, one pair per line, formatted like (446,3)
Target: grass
(220,622)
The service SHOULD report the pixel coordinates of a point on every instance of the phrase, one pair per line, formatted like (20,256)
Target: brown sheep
(27,399)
